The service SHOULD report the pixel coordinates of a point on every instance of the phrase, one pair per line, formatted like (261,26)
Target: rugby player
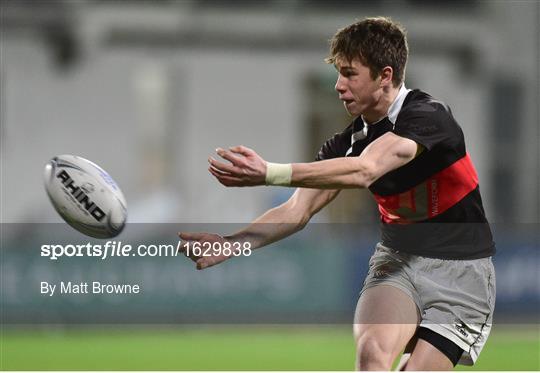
(430,289)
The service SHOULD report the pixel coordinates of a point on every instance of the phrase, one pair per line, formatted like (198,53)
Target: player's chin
(351,109)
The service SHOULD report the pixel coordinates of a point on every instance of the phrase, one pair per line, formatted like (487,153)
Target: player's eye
(348,72)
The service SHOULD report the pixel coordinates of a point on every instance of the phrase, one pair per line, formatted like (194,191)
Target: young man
(430,289)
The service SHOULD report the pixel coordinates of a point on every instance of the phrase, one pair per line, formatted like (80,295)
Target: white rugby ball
(85,196)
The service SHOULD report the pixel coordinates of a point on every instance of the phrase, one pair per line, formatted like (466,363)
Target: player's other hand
(203,258)
(246,168)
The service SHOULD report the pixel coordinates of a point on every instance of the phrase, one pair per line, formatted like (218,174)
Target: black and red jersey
(431,206)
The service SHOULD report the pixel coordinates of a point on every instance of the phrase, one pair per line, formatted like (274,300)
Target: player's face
(359,92)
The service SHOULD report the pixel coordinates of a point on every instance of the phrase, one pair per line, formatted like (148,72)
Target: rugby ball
(85,196)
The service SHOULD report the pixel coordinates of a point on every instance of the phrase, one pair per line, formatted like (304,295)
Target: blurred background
(148,90)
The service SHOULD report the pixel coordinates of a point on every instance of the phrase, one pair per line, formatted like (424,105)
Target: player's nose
(340,86)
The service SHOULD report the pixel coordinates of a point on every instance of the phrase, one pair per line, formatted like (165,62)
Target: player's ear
(387,73)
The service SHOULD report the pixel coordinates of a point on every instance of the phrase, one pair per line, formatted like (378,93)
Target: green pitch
(225,348)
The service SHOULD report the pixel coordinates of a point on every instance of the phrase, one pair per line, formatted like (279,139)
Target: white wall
(98,111)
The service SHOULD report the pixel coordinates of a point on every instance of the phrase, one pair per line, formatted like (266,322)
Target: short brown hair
(377,42)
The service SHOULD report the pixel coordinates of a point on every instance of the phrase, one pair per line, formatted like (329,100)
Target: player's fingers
(240,149)
(188,236)
(226,179)
(223,167)
(181,249)
(187,250)
(207,262)
(201,264)
(184,245)
(185,235)
(217,174)
(212,168)
(214,172)
(193,258)
(229,155)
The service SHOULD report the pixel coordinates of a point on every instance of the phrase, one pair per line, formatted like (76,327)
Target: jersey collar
(395,108)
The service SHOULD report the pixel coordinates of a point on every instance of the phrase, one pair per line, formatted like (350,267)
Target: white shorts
(456,298)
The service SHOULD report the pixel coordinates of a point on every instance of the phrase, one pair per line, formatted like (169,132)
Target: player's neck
(380,111)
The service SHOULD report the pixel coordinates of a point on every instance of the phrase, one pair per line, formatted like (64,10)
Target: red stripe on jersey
(432,197)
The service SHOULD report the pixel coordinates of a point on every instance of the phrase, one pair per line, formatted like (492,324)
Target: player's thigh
(387,316)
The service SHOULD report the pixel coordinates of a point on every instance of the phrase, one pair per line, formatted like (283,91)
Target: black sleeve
(336,146)
(426,123)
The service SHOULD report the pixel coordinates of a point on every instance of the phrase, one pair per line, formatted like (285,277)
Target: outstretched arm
(247,168)
(272,226)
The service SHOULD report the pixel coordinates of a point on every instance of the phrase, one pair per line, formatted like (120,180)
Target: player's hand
(203,261)
(246,168)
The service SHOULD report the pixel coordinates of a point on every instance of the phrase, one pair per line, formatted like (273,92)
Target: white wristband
(278,174)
